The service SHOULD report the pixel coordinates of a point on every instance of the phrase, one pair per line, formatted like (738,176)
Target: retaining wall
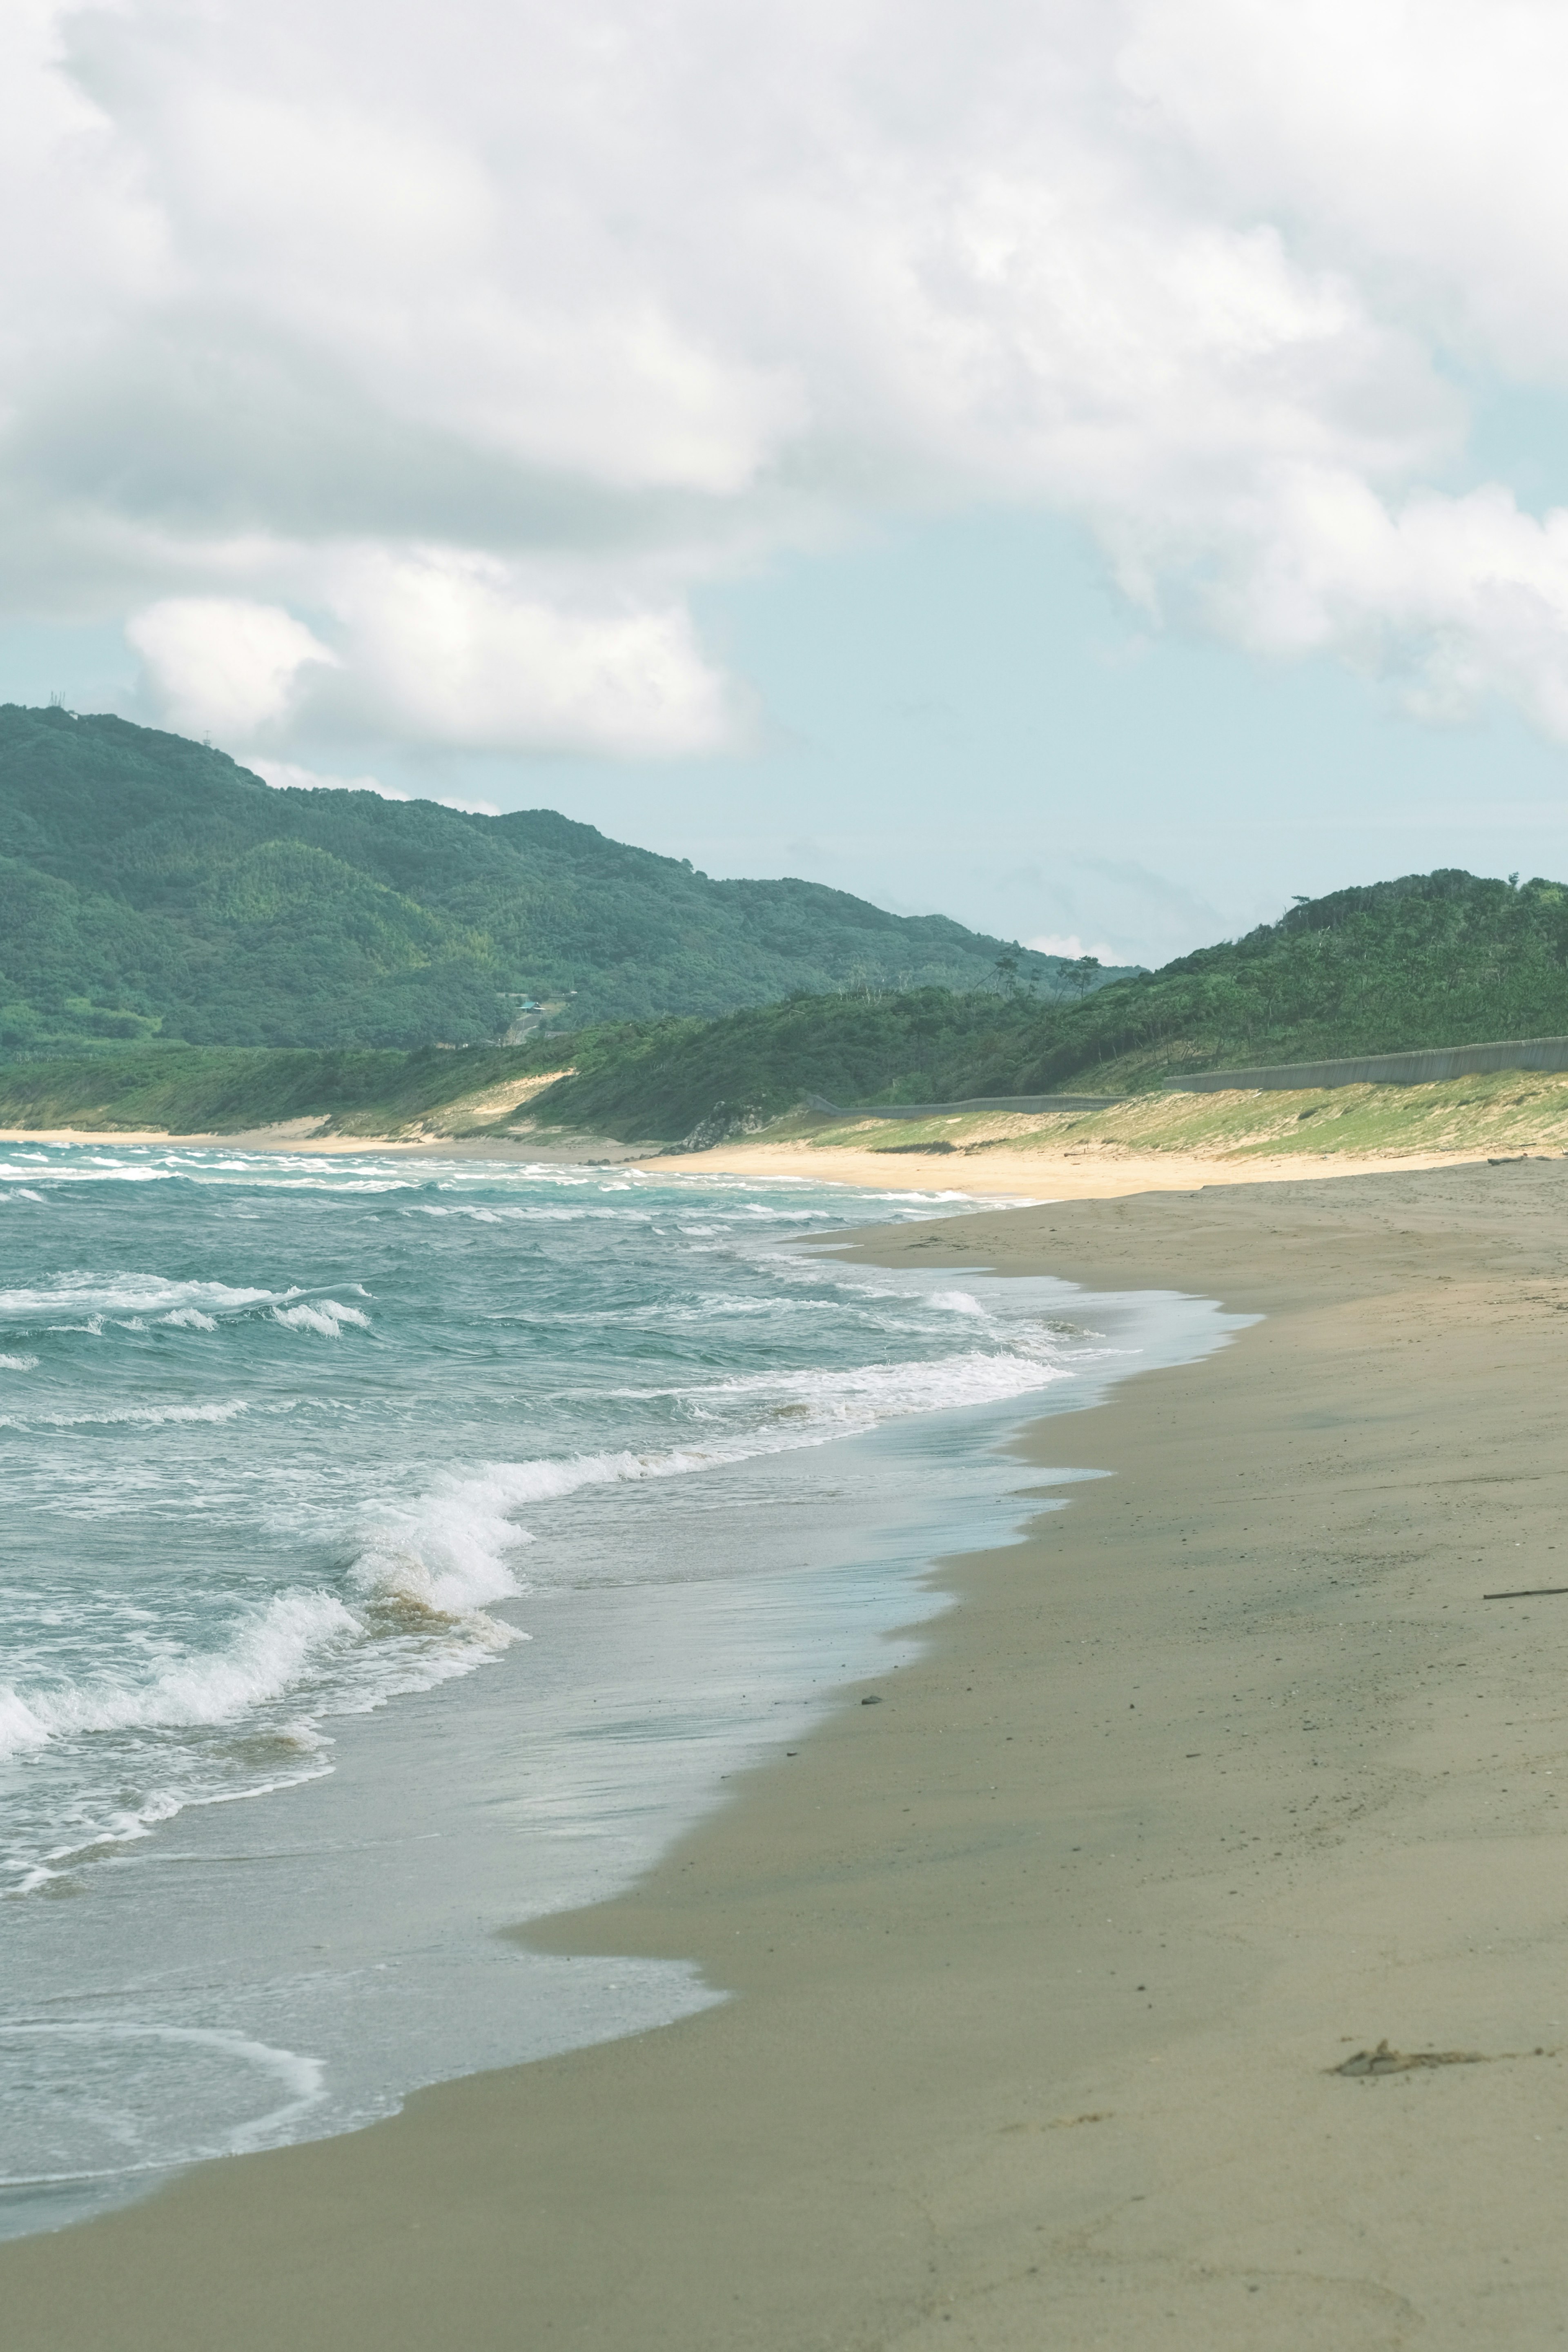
(1384,1069)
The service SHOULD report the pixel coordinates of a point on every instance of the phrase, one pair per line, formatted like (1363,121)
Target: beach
(1045,1964)
(1055,1171)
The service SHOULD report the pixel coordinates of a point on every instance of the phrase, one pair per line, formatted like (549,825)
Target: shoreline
(1017,1176)
(589,1151)
(1223,1774)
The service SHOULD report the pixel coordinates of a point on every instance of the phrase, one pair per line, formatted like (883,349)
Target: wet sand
(1043,1964)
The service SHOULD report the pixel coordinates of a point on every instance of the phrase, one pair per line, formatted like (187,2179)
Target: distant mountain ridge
(151,888)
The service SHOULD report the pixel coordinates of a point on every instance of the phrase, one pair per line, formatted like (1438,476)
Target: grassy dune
(224,1090)
(1505,1111)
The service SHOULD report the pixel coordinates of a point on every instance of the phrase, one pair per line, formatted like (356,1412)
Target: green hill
(151,888)
(1432,960)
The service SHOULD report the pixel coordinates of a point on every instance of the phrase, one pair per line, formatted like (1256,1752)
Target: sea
(399,1549)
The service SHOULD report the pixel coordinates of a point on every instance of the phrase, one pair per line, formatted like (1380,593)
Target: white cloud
(462,648)
(221,667)
(1072,947)
(286,775)
(479,333)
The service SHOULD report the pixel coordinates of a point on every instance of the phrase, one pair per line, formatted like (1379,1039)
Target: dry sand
(1046,1172)
(1225,1774)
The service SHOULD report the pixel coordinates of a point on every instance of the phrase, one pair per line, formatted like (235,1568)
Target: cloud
(440,646)
(466,341)
(221,667)
(459,649)
(286,775)
(1073,947)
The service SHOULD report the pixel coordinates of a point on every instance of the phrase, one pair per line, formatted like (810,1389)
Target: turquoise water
(401,1549)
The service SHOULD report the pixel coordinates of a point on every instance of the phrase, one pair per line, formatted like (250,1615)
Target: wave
(300,2079)
(326,1316)
(89,1300)
(129,1416)
(444,1554)
(862,1395)
(263,1659)
(18,1363)
(91,1172)
(447,1554)
(101,1295)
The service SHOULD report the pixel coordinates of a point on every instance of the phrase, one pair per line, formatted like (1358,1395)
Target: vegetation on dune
(219,1090)
(1505,1111)
(151,888)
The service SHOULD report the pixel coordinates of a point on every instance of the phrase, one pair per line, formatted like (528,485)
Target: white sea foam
(326,1316)
(129,1416)
(97,1296)
(265,1657)
(18,1363)
(447,1553)
(190,1319)
(95,1172)
(213,2065)
(862,1395)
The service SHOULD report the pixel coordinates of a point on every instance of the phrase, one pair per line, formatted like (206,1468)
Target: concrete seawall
(1424,1068)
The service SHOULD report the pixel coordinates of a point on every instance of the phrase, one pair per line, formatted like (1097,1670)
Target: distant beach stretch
(1108,1980)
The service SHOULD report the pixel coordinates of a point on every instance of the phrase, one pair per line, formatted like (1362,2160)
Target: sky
(1097,469)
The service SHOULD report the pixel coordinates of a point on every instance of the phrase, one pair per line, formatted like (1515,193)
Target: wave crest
(264,1658)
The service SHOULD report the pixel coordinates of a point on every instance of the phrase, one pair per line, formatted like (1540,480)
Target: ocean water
(398,1550)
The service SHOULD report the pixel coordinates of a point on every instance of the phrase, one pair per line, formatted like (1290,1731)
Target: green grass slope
(224,1090)
(151,888)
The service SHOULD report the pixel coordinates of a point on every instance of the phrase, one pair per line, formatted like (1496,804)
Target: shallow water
(400,1550)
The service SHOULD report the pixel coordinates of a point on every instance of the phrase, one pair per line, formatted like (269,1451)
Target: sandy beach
(1058,1173)
(1044,1967)
(1053,1174)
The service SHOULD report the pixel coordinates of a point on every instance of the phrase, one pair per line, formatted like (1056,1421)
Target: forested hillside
(1432,960)
(150,892)
(148,888)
